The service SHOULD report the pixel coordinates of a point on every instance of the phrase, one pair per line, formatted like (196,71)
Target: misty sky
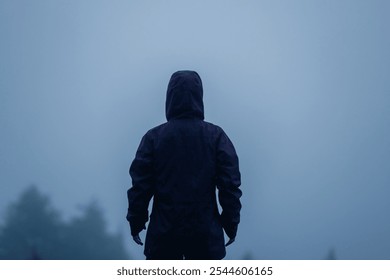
(302,88)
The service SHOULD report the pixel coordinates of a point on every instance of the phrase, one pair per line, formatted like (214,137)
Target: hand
(231,240)
(137,240)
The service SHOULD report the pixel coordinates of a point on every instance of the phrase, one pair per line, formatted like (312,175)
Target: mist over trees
(33,229)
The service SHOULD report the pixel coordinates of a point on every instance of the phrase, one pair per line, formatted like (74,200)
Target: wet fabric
(181,164)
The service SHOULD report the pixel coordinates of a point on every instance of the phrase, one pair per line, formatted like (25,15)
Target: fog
(302,89)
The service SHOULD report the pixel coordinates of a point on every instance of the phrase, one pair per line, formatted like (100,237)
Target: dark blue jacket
(180,164)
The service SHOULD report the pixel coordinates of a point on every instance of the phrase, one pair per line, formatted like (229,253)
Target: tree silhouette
(31,228)
(34,230)
(331,254)
(87,237)
(247,256)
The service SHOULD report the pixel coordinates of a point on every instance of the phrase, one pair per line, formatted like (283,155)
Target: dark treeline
(32,229)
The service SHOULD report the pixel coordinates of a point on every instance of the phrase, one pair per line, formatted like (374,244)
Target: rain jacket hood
(184,96)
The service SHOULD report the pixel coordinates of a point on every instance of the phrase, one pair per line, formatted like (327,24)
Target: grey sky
(301,87)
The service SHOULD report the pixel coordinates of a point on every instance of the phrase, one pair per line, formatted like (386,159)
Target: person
(181,164)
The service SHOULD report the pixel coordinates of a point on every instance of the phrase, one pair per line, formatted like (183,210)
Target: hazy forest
(33,229)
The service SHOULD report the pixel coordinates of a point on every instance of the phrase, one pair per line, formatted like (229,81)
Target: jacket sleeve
(139,195)
(228,181)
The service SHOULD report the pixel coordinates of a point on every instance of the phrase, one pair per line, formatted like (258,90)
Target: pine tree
(31,228)
(87,237)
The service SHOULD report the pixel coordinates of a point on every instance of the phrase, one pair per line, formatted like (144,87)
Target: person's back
(180,163)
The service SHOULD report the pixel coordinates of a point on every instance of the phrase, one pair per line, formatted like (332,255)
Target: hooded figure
(181,164)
